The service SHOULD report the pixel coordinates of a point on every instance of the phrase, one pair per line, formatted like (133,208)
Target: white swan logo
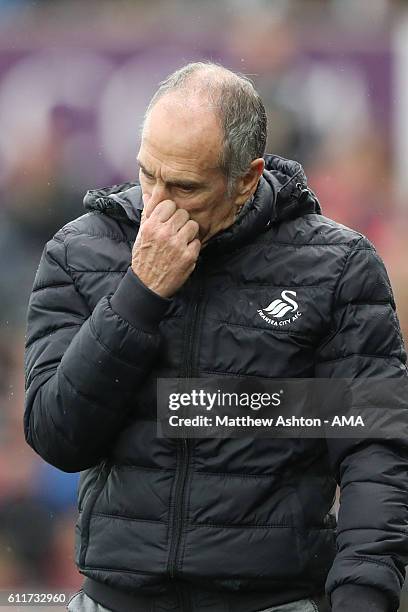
(278,308)
(285,305)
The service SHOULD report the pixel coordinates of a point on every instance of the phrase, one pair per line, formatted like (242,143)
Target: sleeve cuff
(359,598)
(137,304)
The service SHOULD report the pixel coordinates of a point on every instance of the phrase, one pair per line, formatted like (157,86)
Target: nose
(158,194)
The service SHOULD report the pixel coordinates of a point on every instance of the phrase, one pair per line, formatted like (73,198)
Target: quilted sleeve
(82,368)
(372,534)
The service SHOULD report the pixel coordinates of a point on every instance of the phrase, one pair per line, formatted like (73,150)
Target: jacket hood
(282,194)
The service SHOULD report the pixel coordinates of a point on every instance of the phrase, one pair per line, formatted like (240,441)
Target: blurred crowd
(74,82)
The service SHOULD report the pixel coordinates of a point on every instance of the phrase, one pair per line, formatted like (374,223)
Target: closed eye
(146,174)
(185,189)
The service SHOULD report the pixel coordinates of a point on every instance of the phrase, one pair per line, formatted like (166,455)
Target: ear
(247,184)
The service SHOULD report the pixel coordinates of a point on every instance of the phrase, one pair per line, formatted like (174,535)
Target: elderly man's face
(179,161)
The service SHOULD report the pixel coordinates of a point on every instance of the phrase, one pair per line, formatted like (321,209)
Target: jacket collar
(282,194)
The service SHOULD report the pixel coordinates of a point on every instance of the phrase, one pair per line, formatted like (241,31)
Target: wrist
(149,285)
(137,303)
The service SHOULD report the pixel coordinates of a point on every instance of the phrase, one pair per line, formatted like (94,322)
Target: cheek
(201,205)
(199,210)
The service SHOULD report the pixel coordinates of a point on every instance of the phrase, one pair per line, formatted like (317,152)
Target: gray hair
(238,107)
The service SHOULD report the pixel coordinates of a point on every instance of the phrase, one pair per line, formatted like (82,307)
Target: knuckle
(185,256)
(191,254)
(147,230)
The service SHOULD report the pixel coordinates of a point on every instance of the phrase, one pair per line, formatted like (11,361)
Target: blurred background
(75,78)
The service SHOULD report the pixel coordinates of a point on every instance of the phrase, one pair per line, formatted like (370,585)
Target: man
(164,278)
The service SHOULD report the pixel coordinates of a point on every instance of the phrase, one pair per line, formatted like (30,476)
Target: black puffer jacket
(244,523)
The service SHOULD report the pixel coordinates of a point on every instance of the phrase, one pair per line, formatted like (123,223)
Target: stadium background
(75,78)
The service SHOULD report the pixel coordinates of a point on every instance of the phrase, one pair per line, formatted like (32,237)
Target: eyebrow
(176,183)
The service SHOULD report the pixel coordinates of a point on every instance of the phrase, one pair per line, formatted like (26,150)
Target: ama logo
(276,311)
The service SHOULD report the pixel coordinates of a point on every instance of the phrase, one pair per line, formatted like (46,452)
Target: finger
(189,230)
(194,248)
(150,204)
(179,219)
(163,211)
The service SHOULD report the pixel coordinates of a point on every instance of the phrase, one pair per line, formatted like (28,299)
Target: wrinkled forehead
(183,129)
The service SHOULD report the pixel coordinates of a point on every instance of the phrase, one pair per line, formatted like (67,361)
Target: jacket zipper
(183,452)
(183,444)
